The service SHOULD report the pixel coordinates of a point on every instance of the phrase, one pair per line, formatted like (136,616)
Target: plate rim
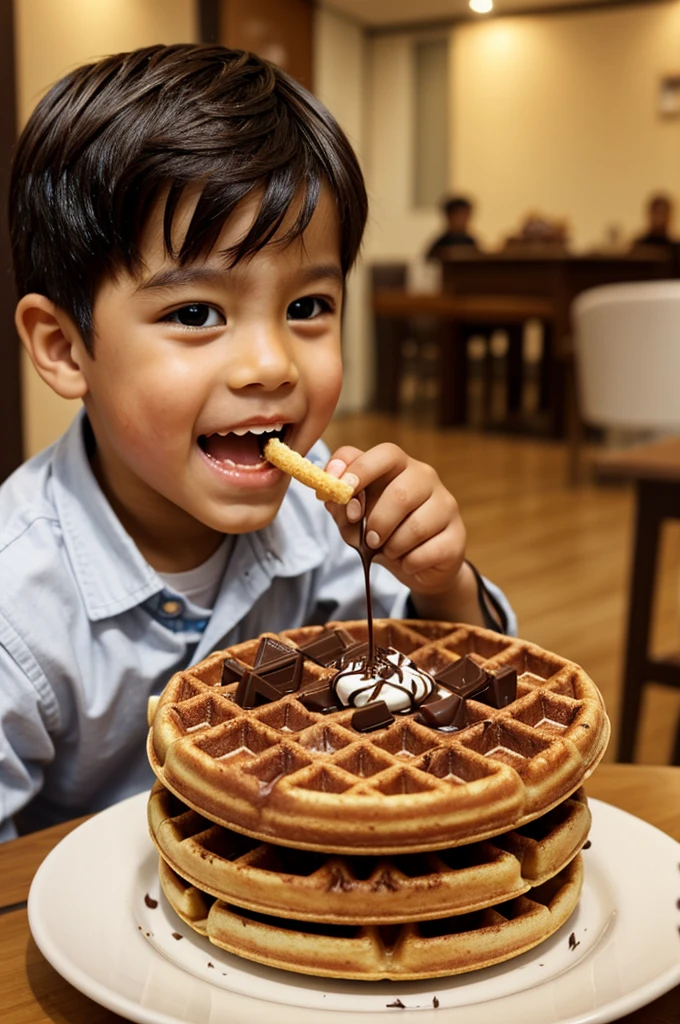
(122,1004)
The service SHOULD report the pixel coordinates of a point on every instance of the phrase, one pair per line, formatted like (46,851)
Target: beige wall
(340,81)
(397,230)
(559,114)
(556,113)
(53,36)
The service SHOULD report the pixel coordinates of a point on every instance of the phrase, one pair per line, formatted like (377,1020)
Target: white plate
(89,917)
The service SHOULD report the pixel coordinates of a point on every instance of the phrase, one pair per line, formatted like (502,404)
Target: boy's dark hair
(454,203)
(109,137)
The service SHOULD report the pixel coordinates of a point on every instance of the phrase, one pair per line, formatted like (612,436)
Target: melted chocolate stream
(367,555)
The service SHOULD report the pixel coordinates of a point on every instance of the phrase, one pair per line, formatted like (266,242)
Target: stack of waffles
(290,835)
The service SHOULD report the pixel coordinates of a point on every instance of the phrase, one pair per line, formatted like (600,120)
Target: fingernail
(350,478)
(354,510)
(336,467)
(372,539)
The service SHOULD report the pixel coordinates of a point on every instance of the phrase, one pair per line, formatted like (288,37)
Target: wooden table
(543,281)
(31,992)
(453,316)
(655,468)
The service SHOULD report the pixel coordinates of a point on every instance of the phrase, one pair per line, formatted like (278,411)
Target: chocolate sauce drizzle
(367,555)
(376,664)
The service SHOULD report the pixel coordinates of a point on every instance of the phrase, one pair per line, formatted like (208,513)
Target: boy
(183,219)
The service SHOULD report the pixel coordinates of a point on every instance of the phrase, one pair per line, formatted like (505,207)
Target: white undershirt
(200,585)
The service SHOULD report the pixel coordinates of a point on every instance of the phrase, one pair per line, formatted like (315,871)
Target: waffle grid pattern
(282,773)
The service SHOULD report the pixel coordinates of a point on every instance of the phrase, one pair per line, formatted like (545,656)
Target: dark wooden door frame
(11,447)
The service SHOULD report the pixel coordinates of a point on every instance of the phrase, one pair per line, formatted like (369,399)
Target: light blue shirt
(85,639)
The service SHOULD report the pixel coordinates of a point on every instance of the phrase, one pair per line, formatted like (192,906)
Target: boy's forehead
(324,225)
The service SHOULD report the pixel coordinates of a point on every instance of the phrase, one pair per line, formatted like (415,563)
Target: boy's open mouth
(241,447)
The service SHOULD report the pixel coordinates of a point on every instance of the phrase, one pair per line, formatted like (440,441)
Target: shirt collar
(111,572)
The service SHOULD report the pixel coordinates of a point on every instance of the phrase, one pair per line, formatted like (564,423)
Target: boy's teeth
(240,431)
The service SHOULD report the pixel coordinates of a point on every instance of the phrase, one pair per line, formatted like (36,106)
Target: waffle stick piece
(327,487)
(428,949)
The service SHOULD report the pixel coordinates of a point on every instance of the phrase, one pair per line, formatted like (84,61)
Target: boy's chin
(245,518)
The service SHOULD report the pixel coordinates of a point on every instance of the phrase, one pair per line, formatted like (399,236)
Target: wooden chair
(627,352)
(655,469)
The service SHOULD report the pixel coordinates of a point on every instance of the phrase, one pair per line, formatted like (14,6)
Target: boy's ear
(54,344)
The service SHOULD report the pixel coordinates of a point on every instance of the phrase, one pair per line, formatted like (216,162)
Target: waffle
(292,776)
(364,890)
(428,949)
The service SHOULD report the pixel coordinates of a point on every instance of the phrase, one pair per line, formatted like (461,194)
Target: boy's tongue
(243,449)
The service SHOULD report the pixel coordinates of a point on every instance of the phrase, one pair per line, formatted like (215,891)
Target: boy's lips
(241,447)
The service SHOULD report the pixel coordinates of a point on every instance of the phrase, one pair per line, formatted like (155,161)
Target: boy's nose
(264,360)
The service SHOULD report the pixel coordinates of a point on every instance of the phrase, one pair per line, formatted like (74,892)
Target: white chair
(627,350)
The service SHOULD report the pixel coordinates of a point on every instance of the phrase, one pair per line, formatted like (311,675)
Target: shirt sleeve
(25,743)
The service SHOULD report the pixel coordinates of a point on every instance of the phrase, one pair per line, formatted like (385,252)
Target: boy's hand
(415,525)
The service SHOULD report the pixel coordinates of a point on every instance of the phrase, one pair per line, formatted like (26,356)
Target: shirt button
(172,607)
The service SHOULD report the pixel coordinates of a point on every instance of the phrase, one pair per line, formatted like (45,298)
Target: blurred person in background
(458,212)
(659,217)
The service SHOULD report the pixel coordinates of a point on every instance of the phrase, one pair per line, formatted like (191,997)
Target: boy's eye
(306,308)
(197,314)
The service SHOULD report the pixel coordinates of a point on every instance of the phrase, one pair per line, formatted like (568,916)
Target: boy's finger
(407,495)
(341,459)
(383,462)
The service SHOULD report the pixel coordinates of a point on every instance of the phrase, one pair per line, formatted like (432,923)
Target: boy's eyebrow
(171,277)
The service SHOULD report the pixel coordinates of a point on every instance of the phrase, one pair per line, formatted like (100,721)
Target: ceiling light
(481,6)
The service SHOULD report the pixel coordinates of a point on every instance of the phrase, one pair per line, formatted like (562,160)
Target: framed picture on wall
(669,95)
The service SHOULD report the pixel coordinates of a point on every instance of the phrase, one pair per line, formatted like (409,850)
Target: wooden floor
(561,555)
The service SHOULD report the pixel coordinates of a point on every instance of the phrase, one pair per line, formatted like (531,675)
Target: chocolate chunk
(176,935)
(398,1003)
(150,902)
(284,673)
(502,688)
(572,941)
(356,652)
(435,1002)
(253,690)
(372,716)
(465,677)
(271,649)
(326,648)
(322,701)
(232,670)
(447,712)
(588,844)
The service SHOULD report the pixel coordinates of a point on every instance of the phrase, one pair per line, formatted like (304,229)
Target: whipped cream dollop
(392,677)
